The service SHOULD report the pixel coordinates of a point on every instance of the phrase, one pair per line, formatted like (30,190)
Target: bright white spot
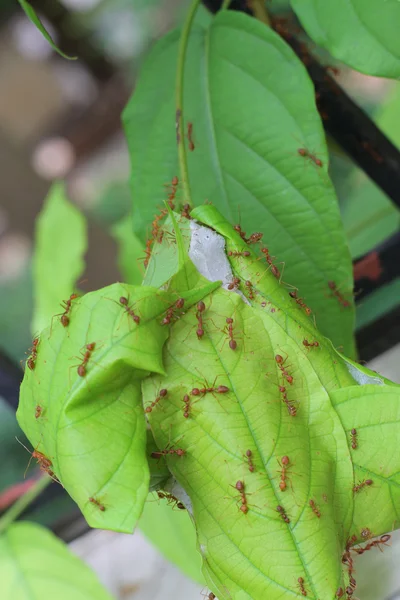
(29,41)
(80,5)
(176,490)
(53,158)
(207,252)
(363,378)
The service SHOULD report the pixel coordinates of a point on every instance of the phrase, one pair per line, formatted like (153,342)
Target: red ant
(274,270)
(42,460)
(283,514)
(162,393)
(354,441)
(335,292)
(347,560)
(308,344)
(124,301)
(234,284)
(186,410)
(307,153)
(382,540)
(315,508)
(254,238)
(66,304)
(147,252)
(228,329)
(242,234)
(339,592)
(171,500)
(300,582)
(292,410)
(249,455)
(156,232)
(82,367)
(285,466)
(350,590)
(362,484)
(201,307)
(97,503)
(169,315)
(240,488)
(172,191)
(221,389)
(189,136)
(236,254)
(300,302)
(280,362)
(31,362)
(38,411)
(249,287)
(160,453)
(185,212)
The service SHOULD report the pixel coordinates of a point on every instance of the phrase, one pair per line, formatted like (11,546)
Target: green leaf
(369,217)
(280,398)
(173,534)
(252,107)
(36,564)
(337,24)
(32,16)
(91,425)
(374,412)
(379,303)
(130,249)
(60,244)
(222,428)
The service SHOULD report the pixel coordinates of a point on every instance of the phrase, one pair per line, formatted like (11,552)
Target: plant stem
(225,4)
(260,11)
(179,100)
(23,502)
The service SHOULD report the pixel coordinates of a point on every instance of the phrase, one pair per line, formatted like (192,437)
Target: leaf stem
(260,11)
(23,502)
(225,4)
(180,136)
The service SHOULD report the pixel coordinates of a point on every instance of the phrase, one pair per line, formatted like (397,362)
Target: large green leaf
(374,412)
(35,564)
(252,108)
(92,427)
(361,33)
(174,535)
(130,251)
(256,554)
(60,244)
(91,424)
(369,217)
(32,16)
(222,428)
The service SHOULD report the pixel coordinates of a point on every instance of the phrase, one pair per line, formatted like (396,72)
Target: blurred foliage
(377,304)
(369,216)
(174,534)
(16,299)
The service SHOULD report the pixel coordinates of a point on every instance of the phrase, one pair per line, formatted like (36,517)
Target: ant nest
(207,252)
